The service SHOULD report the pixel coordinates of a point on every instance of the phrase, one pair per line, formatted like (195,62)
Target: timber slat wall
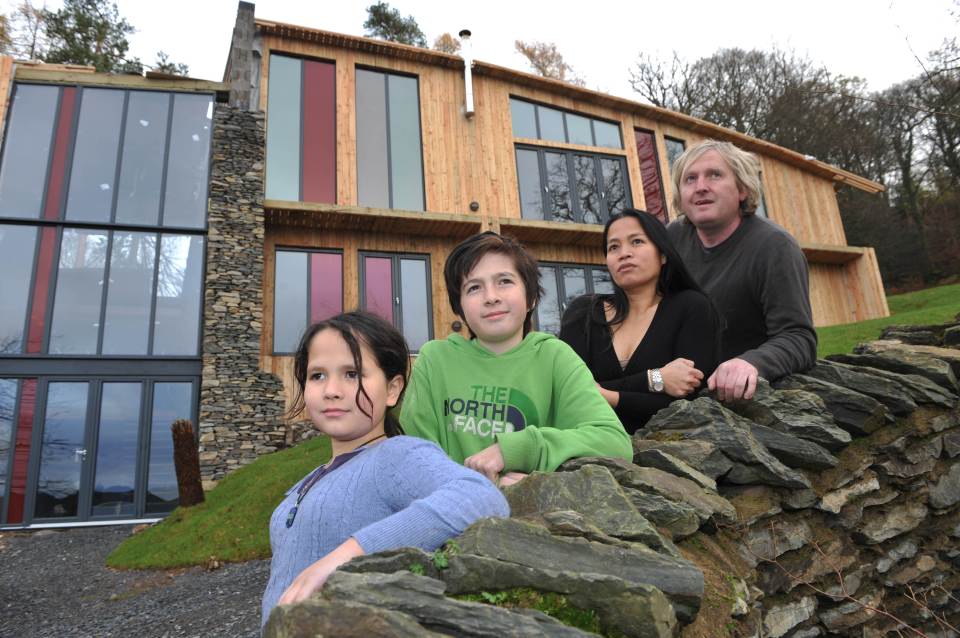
(473,160)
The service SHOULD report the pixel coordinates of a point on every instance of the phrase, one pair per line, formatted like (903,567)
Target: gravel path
(54,583)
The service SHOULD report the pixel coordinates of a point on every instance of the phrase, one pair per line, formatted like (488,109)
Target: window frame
(558,267)
(308,278)
(566,130)
(388,146)
(396,287)
(569,154)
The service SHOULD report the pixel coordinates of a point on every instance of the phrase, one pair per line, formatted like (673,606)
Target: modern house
(164,241)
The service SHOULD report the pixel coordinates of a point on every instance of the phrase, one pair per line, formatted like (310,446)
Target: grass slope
(930,306)
(232,525)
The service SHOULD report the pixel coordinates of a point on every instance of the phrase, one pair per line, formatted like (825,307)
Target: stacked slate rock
(838,490)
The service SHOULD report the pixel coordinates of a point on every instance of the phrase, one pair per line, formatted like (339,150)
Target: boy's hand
(511,478)
(488,462)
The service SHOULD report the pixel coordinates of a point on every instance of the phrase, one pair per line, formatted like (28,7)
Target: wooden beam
(374,220)
(534,230)
(84,78)
(831,254)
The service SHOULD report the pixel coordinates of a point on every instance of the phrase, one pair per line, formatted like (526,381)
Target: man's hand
(312,578)
(733,379)
(680,377)
(488,462)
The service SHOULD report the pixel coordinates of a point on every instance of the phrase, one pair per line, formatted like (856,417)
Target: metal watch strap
(657,380)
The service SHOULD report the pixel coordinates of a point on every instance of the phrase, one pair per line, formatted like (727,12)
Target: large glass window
(562,283)
(171,401)
(397,287)
(8,405)
(26,150)
(63,450)
(141,171)
(75,326)
(675,149)
(17,247)
(118,437)
(389,149)
(571,186)
(536,121)
(95,151)
(308,287)
(301,138)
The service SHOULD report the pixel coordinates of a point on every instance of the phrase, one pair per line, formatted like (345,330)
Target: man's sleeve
(586,424)
(783,287)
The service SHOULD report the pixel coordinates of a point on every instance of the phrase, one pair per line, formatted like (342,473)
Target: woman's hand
(312,578)
(680,378)
(612,396)
(488,462)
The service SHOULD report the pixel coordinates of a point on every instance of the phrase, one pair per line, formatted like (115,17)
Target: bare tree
(28,31)
(546,60)
(446,43)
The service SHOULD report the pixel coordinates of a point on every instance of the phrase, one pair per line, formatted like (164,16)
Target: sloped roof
(690,123)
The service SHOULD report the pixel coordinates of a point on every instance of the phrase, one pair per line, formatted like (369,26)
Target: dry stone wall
(240,406)
(827,506)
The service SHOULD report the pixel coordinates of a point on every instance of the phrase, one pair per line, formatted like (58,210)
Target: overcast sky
(878,40)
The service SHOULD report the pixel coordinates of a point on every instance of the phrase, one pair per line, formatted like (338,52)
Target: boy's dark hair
(384,341)
(464,257)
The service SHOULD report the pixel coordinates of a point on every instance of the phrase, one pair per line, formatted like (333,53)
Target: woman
(655,338)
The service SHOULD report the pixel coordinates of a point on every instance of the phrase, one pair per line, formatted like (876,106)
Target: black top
(683,325)
(757,279)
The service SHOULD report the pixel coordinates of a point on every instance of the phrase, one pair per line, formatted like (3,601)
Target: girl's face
(330,392)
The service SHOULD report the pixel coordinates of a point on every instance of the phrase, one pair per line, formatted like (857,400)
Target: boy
(507,400)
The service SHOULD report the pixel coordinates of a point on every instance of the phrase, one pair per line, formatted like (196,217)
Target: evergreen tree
(386,23)
(90,32)
(165,65)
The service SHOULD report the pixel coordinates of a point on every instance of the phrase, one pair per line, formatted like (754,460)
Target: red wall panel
(319,163)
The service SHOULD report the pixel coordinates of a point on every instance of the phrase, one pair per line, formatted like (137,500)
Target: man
(753,270)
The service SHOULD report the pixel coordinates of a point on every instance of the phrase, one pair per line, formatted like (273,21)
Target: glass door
(63,449)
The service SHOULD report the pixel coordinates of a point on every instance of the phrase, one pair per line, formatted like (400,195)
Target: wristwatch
(657,380)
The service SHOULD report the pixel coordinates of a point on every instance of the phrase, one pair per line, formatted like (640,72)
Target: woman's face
(632,259)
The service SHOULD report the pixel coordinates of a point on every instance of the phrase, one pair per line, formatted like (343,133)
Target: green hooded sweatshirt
(537,400)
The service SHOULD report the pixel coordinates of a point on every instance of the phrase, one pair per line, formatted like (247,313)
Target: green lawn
(930,306)
(232,524)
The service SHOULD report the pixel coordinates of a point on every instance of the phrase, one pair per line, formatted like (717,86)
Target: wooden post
(186,462)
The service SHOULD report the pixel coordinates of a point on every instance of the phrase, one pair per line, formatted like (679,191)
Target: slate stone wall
(240,406)
(829,505)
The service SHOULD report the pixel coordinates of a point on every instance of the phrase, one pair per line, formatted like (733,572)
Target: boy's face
(494,302)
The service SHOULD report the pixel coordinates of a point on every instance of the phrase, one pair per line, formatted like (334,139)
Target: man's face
(709,193)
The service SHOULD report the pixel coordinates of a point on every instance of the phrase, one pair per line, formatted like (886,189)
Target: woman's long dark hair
(384,341)
(674,276)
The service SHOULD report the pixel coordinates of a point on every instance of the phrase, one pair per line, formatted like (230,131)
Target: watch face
(658,386)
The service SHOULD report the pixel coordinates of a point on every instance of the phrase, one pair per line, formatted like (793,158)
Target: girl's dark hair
(385,342)
(674,276)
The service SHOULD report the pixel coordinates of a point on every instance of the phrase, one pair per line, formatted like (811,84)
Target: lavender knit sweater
(403,492)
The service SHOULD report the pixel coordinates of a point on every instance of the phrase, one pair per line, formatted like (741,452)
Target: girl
(655,338)
(380,490)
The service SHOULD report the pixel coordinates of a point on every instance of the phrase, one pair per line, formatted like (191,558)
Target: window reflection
(8,399)
(528,174)
(17,246)
(141,172)
(548,310)
(171,401)
(26,152)
(76,307)
(126,323)
(586,176)
(614,190)
(90,197)
(185,197)
(118,435)
(62,452)
(179,293)
(558,187)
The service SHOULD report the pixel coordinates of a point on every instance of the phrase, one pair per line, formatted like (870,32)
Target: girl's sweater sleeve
(432,497)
